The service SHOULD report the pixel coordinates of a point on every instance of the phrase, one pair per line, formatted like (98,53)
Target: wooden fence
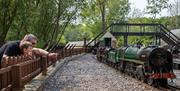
(15,72)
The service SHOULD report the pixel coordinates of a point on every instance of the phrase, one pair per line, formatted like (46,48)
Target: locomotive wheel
(140,74)
(99,59)
(116,66)
(113,65)
(122,66)
(136,76)
(162,82)
(133,74)
(150,81)
(129,73)
(143,79)
(139,77)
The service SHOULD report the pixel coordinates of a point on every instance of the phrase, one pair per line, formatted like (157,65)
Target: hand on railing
(53,56)
(28,56)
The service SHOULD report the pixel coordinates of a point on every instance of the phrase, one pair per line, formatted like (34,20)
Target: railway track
(174,88)
(168,88)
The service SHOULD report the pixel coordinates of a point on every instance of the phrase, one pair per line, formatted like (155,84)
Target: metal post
(125,40)
(84,45)
(156,40)
(159,41)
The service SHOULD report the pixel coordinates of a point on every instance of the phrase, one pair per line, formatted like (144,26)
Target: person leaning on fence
(26,48)
(10,49)
(13,48)
(38,51)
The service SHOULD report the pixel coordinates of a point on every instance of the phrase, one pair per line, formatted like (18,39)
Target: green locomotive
(151,64)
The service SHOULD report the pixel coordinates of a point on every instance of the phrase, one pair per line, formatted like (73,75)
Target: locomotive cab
(107,42)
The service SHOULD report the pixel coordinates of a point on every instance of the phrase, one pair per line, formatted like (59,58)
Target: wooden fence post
(44,65)
(16,78)
(60,55)
(65,52)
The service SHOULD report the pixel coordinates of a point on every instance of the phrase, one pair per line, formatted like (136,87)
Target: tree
(106,11)
(136,13)
(8,10)
(154,7)
(118,11)
(174,12)
(102,6)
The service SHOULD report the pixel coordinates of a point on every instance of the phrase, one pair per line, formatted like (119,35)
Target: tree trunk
(177,15)
(103,18)
(7,19)
(3,37)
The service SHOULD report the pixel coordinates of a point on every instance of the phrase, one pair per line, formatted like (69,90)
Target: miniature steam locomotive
(150,64)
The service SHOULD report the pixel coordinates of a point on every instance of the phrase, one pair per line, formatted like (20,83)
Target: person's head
(26,47)
(31,38)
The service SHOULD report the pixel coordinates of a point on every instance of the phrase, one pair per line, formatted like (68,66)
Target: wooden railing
(15,72)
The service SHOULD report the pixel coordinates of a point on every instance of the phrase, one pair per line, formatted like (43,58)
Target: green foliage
(146,40)
(48,19)
(45,18)
(156,6)
(168,21)
(62,39)
(120,41)
(60,21)
(117,10)
(140,20)
(78,32)
(8,11)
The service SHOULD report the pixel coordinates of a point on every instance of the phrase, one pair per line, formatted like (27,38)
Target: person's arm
(41,52)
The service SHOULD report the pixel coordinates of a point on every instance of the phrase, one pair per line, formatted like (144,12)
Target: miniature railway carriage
(150,64)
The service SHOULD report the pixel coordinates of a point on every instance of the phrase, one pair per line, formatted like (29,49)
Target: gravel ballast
(85,73)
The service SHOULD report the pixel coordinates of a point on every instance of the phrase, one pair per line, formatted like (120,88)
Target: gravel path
(87,74)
